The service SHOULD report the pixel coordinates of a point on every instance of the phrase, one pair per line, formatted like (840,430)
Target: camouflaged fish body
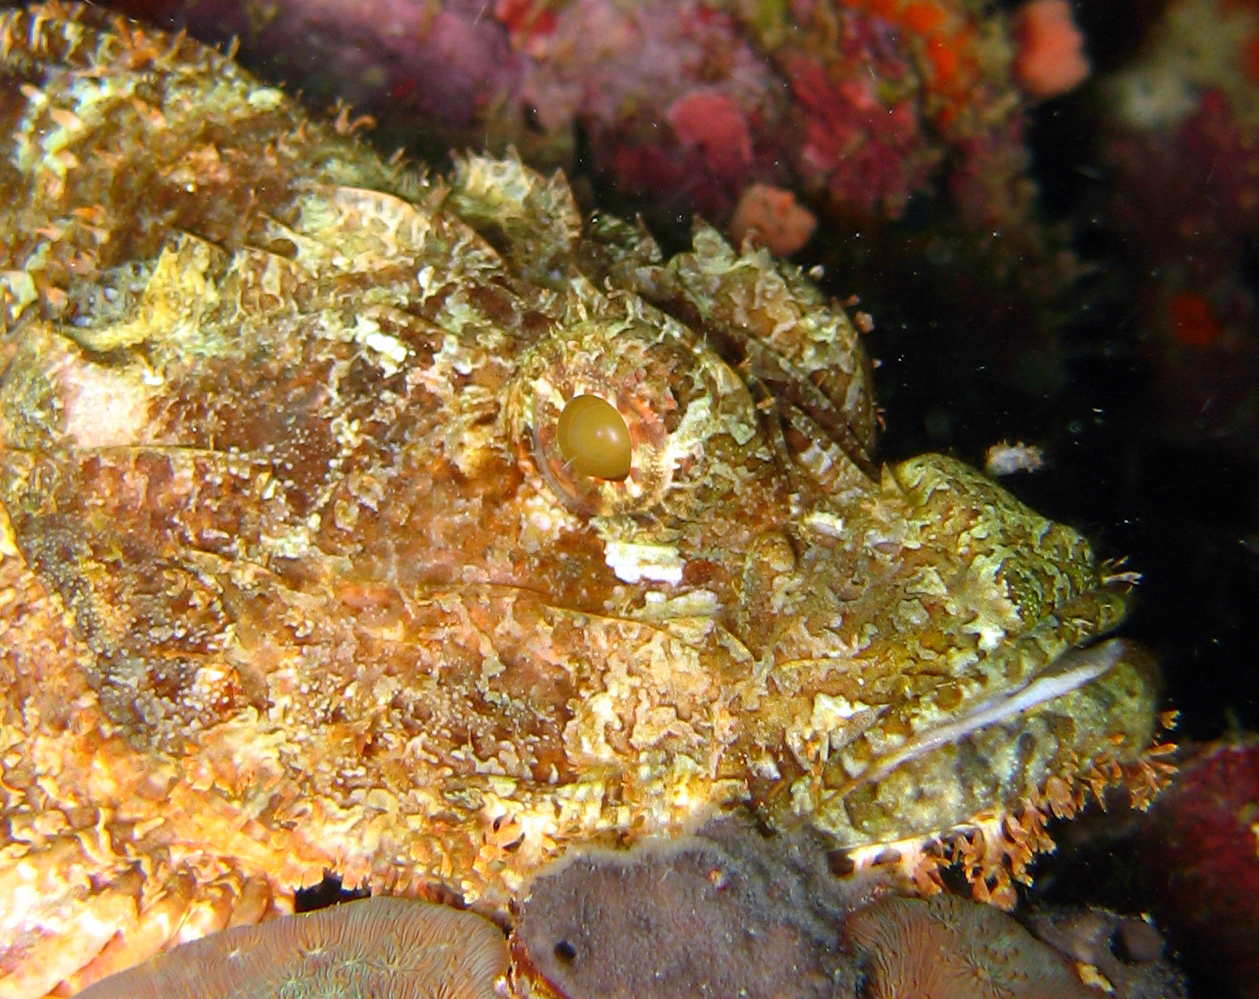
(296,574)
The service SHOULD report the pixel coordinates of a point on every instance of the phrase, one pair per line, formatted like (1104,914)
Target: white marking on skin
(766,768)
(816,458)
(293,543)
(990,635)
(633,563)
(265,99)
(390,352)
(103,407)
(22,291)
(428,286)
(542,522)
(828,711)
(659,606)
(454,355)
(825,523)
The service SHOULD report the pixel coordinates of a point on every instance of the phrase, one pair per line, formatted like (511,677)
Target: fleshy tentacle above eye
(533,221)
(773,325)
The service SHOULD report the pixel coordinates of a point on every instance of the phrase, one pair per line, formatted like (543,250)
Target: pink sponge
(1050,59)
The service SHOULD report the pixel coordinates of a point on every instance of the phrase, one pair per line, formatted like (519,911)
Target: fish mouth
(1070,671)
(1084,715)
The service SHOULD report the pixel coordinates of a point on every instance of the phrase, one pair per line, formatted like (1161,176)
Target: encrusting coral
(736,912)
(728,912)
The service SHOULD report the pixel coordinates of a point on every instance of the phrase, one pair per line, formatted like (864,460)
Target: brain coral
(376,947)
(948,948)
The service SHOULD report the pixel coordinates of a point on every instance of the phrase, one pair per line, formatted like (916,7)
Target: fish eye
(594,438)
(592,409)
(614,411)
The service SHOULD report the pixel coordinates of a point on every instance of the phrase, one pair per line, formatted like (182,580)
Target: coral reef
(731,911)
(1183,147)
(377,947)
(947,948)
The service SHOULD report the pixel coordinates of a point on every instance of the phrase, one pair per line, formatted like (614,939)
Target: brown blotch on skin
(377,946)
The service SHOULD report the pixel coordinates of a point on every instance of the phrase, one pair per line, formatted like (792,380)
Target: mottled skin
(293,578)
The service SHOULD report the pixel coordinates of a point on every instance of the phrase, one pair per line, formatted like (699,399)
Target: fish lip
(1074,668)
